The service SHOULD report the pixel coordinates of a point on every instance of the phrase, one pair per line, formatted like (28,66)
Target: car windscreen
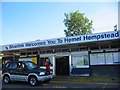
(31,65)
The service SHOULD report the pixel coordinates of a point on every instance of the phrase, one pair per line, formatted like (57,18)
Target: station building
(91,55)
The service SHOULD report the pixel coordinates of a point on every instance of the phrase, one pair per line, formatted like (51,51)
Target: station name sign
(65,40)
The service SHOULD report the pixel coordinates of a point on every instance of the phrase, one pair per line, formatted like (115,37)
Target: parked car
(25,71)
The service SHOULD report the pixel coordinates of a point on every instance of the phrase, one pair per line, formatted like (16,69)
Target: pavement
(87,79)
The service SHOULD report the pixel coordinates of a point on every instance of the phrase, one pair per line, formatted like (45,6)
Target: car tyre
(6,79)
(33,81)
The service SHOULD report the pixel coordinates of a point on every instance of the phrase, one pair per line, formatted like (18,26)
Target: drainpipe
(54,66)
(70,64)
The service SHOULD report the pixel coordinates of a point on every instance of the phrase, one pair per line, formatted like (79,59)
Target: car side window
(12,66)
(20,65)
(7,65)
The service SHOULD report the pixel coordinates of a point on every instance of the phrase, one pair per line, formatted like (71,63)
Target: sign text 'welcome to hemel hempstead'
(65,40)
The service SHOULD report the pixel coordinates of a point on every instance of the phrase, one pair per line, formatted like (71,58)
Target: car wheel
(6,79)
(33,81)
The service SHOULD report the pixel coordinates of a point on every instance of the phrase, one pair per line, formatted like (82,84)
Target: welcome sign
(65,40)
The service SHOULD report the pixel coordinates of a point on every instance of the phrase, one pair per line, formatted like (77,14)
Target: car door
(21,72)
(11,69)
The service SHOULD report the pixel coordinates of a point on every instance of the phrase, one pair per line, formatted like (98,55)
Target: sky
(30,21)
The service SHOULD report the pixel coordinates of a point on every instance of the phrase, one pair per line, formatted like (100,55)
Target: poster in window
(81,61)
(93,59)
(109,58)
(76,61)
(116,57)
(101,58)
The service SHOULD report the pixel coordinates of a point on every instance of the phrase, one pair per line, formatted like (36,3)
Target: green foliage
(77,24)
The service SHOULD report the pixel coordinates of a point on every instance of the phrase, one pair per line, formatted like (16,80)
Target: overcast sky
(30,21)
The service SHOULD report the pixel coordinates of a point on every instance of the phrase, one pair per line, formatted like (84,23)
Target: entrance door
(62,65)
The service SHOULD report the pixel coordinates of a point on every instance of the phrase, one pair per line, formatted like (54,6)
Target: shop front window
(105,58)
(80,61)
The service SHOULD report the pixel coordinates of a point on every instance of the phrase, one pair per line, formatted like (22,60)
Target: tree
(77,24)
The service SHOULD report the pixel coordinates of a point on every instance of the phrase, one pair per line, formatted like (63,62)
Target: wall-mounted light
(115,27)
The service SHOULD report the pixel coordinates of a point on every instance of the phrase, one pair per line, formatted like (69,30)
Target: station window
(80,61)
(116,57)
(105,58)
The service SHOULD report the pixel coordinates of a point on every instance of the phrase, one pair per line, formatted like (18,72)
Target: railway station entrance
(62,65)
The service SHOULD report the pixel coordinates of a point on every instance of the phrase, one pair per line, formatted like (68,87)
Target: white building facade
(85,55)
